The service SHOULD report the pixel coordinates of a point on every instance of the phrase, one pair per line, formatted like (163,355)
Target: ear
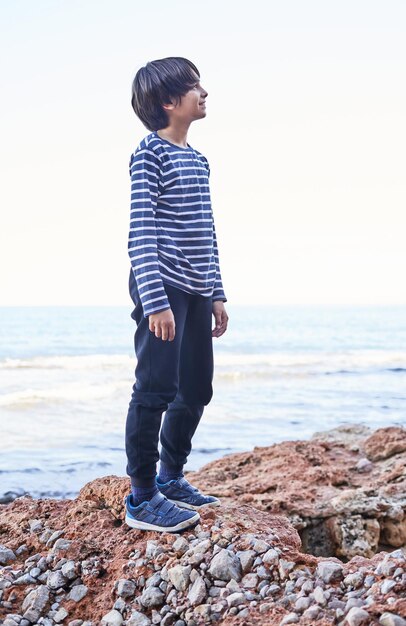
(168,105)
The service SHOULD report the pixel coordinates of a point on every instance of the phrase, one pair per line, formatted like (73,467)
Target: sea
(281,373)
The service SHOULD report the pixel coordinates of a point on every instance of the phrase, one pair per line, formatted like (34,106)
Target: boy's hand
(162,324)
(221,318)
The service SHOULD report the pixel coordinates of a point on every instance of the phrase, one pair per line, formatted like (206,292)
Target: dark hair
(160,82)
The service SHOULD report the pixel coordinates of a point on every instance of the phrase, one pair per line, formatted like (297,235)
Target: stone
(357,616)
(387,586)
(197,592)
(249,581)
(138,619)
(126,588)
(302,604)
(179,575)
(60,615)
(271,557)
(290,618)
(35,602)
(319,596)
(329,571)
(61,544)
(226,566)
(68,569)
(53,537)
(56,580)
(77,593)
(246,559)
(235,599)
(312,612)
(180,546)
(6,555)
(112,618)
(391,619)
(152,597)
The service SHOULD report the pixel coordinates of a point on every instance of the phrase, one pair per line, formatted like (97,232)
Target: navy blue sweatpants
(173,376)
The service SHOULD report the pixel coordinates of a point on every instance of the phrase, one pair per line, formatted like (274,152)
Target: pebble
(329,571)
(204,582)
(112,618)
(391,619)
(387,586)
(356,616)
(225,566)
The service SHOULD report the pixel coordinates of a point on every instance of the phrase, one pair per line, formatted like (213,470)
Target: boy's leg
(195,386)
(156,385)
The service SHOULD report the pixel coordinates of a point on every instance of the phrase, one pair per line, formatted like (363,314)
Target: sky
(305,134)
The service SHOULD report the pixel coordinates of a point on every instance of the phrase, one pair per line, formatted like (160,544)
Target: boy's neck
(176,135)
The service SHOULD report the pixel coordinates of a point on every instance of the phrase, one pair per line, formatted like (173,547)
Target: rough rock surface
(339,506)
(74,562)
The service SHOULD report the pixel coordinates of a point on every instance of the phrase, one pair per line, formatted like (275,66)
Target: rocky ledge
(309,532)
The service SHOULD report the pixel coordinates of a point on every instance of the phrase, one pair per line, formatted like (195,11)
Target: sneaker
(184,495)
(158,514)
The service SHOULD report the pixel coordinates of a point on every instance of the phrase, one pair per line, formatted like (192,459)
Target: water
(280,373)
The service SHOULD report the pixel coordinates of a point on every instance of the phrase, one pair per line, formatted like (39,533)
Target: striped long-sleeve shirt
(172,237)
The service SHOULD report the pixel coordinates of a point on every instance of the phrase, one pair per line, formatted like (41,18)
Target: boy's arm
(142,238)
(218,291)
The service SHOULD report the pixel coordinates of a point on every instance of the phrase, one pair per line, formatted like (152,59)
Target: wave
(88,384)
(77,362)
(67,392)
(343,361)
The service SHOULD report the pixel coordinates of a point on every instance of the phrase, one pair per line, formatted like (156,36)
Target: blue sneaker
(158,514)
(184,495)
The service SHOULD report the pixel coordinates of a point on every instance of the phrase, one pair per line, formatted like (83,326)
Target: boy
(175,284)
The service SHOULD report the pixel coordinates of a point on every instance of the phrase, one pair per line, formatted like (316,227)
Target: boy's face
(192,105)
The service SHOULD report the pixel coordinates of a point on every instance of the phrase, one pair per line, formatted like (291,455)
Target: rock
(390,619)
(385,442)
(319,596)
(61,544)
(357,616)
(246,559)
(56,580)
(290,618)
(112,618)
(198,592)
(126,588)
(68,569)
(249,581)
(6,555)
(53,537)
(179,575)
(77,593)
(302,604)
(35,602)
(225,565)
(271,557)
(312,612)
(151,597)
(138,619)
(260,546)
(329,571)
(180,546)
(387,586)
(235,599)
(60,615)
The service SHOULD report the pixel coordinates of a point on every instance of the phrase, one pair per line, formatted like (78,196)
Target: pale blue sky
(305,134)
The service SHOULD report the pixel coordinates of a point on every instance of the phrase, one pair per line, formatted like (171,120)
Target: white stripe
(196,280)
(155,300)
(204,289)
(159,210)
